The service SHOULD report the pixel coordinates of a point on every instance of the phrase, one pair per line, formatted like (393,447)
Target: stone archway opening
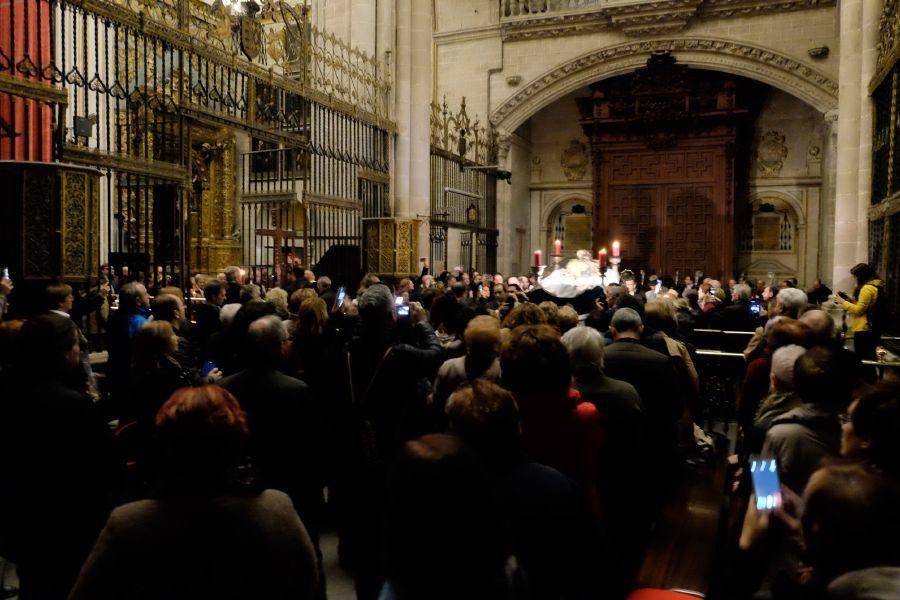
(778,150)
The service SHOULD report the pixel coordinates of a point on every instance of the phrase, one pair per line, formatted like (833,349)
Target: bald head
(482,337)
(821,323)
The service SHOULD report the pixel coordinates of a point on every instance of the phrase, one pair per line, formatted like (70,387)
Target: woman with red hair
(203,537)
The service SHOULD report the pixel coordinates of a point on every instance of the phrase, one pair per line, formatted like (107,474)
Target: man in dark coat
(389,363)
(623,462)
(283,418)
(647,370)
(326,293)
(233,285)
(736,316)
(207,316)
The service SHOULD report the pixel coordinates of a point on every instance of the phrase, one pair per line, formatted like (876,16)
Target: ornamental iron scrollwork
(461,136)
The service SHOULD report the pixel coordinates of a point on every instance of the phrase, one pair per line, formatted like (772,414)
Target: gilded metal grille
(126,85)
(881,142)
(893,276)
(876,243)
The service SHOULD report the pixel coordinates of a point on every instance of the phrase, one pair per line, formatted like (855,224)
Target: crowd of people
(463,440)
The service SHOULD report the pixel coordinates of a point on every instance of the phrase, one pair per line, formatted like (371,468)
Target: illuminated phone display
(766,485)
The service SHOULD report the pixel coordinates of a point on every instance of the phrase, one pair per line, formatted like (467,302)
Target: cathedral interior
(735,138)
(744,139)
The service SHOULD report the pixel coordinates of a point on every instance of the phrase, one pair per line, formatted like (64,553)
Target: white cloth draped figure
(579,275)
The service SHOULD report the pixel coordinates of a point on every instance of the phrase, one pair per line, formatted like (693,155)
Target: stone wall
(784,169)
(465,28)
(792,132)
(518,79)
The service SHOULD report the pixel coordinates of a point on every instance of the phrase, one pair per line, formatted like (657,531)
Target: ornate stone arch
(790,201)
(793,261)
(556,207)
(740,58)
(560,200)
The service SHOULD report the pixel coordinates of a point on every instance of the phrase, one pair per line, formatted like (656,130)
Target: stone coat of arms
(770,153)
(574,160)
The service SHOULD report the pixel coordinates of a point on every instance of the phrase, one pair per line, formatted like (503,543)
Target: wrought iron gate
(463,190)
(128,85)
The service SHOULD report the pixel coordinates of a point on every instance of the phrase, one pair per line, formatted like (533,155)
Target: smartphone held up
(766,484)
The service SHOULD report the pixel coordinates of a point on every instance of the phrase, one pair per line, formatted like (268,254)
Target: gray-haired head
(792,301)
(376,302)
(821,323)
(249,293)
(228,312)
(626,319)
(585,346)
(783,361)
(742,291)
(264,339)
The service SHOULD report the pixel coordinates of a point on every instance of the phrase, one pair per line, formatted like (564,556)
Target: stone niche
(780,197)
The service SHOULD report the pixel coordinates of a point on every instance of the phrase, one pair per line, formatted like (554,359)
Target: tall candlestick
(601,257)
(617,250)
(538,258)
(557,247)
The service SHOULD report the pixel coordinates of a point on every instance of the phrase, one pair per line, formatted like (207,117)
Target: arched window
(772,227)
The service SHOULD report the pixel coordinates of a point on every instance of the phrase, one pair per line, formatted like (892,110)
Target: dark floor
(679,556)
(340,584)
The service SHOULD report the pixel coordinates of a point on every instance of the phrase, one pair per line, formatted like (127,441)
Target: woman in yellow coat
(866,309)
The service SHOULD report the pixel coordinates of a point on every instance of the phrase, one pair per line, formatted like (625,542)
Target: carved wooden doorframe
(671,208)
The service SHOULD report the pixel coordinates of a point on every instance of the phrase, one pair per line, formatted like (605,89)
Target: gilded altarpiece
(213,237)
(390,246)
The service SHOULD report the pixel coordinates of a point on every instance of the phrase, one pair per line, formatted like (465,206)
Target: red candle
(538,258)
(557,247)
(601,257)
(616,249)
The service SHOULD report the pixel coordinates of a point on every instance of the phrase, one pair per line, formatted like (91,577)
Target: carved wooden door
(670,209)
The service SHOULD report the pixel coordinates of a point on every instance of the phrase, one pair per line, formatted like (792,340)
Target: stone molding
(561,185)
(484,32)
(641,18)
(756,62)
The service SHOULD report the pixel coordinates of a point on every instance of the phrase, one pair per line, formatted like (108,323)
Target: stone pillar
(506,237)
(385,28)
(413,149)
(519,208)
(850,96)
(362,25)
(825,267)
(402,107)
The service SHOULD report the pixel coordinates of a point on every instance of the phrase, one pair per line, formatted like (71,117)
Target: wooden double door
(670,209)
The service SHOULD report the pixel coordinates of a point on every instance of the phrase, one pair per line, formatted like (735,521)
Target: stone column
(506,237)
(825,267)
(847,195)
(412,171)
(402,107)
(519,208)
(362,25)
